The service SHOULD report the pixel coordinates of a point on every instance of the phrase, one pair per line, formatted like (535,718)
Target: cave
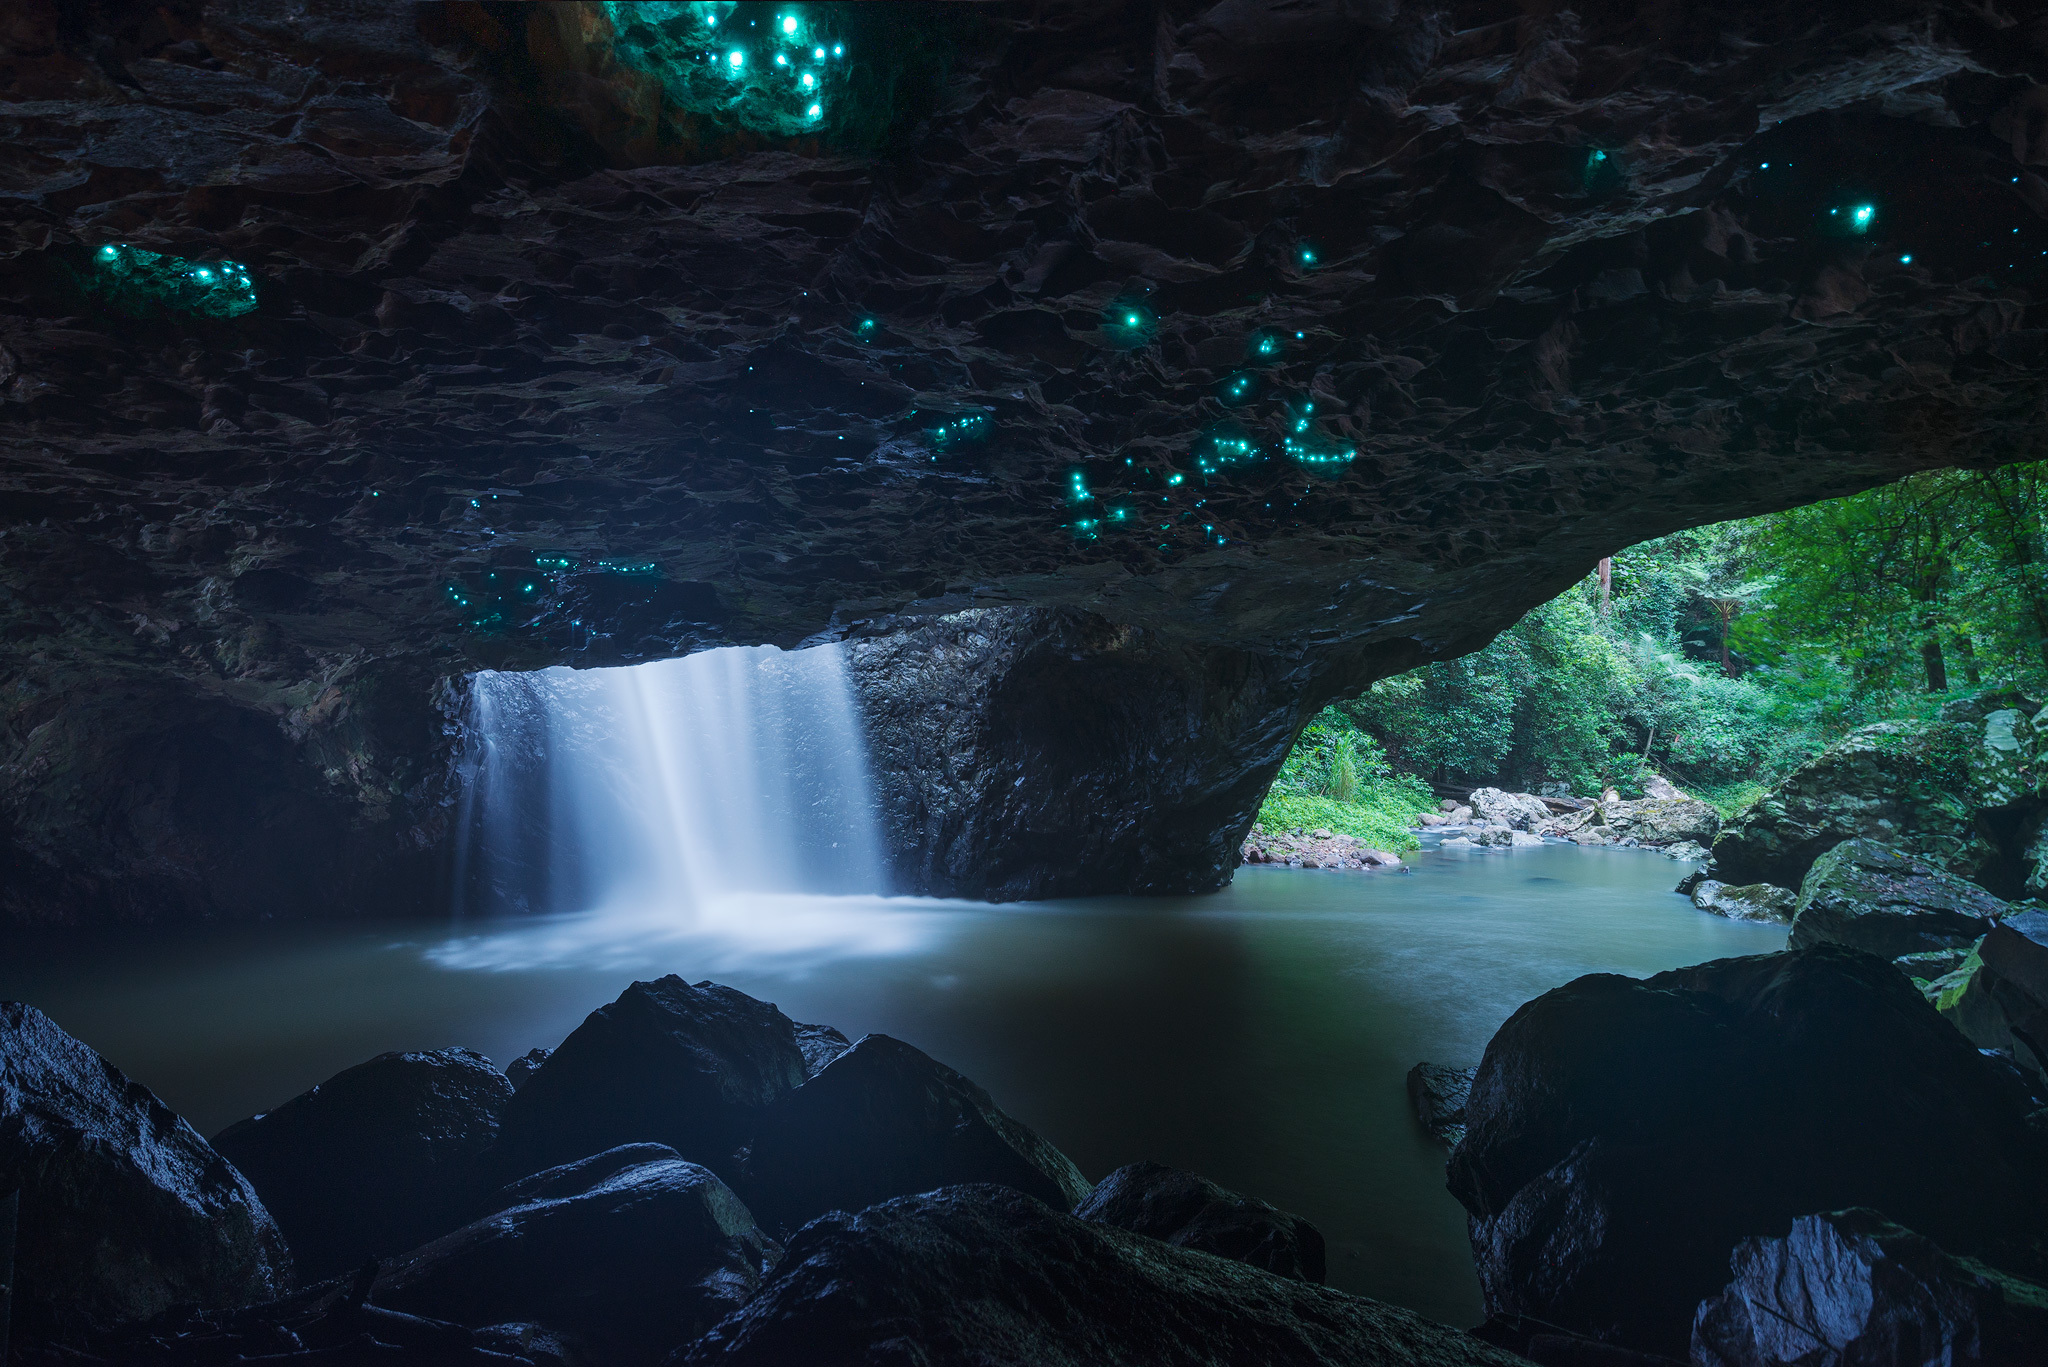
(898,482)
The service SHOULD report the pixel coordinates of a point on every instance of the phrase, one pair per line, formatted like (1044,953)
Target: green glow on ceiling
(760,67)
(140,282)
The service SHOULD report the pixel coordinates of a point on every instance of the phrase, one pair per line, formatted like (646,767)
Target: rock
(124,1209)
(1428,819)
(1687,850)
(1438,1095)
(1192,1212)
(1914,785)
(1324,834)
(523,1067)
(1460,814)
(1447,806)
(1650,821)
(989,1276)
(1851,1287)
(1998,996)
(820,1045)
(1523,811)
(1380,859)
(1929,964)
(1522,840)
(1546,1345)
(573,1179)
(1659,788)
(1495,837)
(1691,881)
(692,1067)
(886,1119)
(379,1158)
(1456,842)
(1777,1085)
(1877,898)
(642,1262)
(1752,902)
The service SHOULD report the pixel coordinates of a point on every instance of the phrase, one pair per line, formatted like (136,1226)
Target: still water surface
(1260,1035)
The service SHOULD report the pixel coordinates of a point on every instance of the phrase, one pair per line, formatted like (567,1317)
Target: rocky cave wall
(1240,352)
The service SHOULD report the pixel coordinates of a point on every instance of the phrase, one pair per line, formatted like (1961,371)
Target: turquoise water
(1259,1035)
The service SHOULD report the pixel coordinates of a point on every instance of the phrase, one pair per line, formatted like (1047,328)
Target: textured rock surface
(642,1262)
(1880,899)
(1553,281)
(125,1210)
(1625,1136)
(1954,791)
(1647,821)
(524,1067)
(668,1063)
(989,1276)
(379,1158)
(1523,811)
(1438,1095)
(1998,997)
(1189,1211)
(1751,902)
(1852,1287)
(820,1044)
(570,1179)
(886,1119)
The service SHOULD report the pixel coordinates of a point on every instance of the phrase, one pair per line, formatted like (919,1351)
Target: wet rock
(1930,964)
(1438,1095)
(1547,1345)
(1914,785)
(1460,815)
(1752,902)
(641,1262)
(1687,850)
(375,1160)
(1690,882)
(1777,1085)
(1522,840)
(572,1179)
(1853,1287)
(885,1119)
(690,1066)
(1457,842)
(124,1209)
(1523,811)
(1192,1212)
(990,1276)
(1878,898)
(820,1045)
(1496,837)
(524,1067)
(1998,996)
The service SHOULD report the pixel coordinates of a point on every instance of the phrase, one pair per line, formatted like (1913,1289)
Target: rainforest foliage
(1721,657)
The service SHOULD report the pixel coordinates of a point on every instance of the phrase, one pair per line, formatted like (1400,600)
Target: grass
(1381,813)
(1730,799)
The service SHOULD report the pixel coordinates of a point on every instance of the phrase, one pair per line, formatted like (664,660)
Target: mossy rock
(1884,901)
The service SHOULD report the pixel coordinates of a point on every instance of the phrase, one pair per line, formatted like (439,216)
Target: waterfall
(670,791)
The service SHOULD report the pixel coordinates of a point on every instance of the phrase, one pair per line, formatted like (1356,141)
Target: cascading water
(698,793)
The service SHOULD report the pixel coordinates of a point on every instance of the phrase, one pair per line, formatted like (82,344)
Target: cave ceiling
(1281,325)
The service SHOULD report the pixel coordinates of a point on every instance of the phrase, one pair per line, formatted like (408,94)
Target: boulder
(1188,1211)
(124,1210)
(571,1179)
(645,1260)
(1916,785)
(820,1044)
(1496,837)
(1998,997)
(524,1067)
(670,1063)
(1751,902)
(1930,964)
(1852,1287)
(1877,898)
(377,1159)
(1522,840)
(886,1119)
(1648,821)
(1689,851)
(1438,1095)
(1523,811)
(1624,1136)
(989,1276)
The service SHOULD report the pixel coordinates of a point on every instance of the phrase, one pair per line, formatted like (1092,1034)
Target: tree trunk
(1937,668)
(1966,651)
(1606,581)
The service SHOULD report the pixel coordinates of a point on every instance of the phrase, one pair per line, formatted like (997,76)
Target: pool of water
(1260,1035)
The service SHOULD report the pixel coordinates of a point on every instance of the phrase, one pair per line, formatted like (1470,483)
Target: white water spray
(682,793)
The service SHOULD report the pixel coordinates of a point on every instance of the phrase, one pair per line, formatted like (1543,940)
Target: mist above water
(715,795)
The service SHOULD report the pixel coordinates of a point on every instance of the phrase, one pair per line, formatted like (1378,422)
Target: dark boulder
(1998,997)
(1546,1345)
(1188,1211)
(988,1276)
(1852,1287)
(1625,1136)
(820,1045)
(1749,902)
(886,1119)
(669,1063)
(644,1260)
(1873,897)
(571,1179)
(124,1209)
(525,1066)
(377,1159)
(1438,1095)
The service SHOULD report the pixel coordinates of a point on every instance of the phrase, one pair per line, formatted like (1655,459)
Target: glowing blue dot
(781,60)
(203,274)
(738,59)
(839,49)
(1765,167)
(809,80)
(1130,320)
(818,52)
(1599,156)
(815,110)
(1863,214)
(108,253)
(1906,260)
(789,25)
